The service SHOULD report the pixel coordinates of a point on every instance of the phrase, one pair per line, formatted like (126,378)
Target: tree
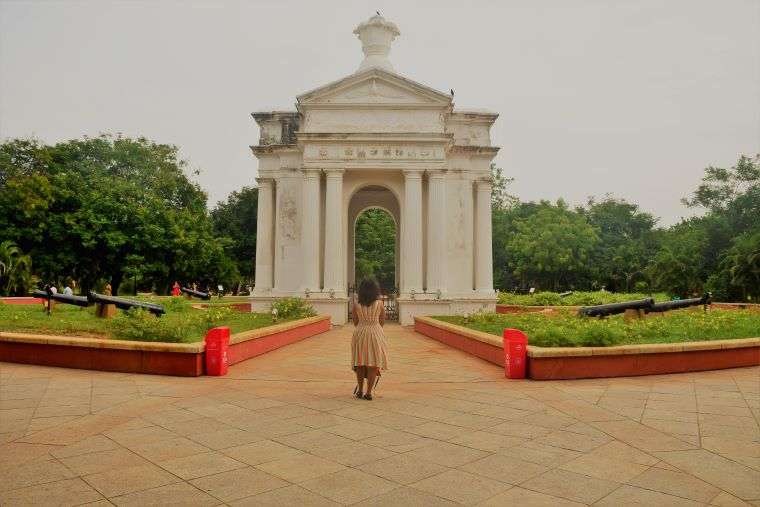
(235,219)
(626,241)
(551,248)
(374,248)
(15,269)
(99,209)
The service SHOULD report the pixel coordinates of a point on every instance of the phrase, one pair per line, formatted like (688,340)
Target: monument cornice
(374,137)
(274,149)
(375,165)
(485,151)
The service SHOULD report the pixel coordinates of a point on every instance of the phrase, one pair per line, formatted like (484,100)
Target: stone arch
(371,196)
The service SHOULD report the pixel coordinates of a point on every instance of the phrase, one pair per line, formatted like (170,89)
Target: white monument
(375,139)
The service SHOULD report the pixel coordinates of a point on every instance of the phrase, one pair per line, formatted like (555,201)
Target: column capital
(334,172)
(311,172)
(484,184)
(412,174)
(436,173)
(263,181)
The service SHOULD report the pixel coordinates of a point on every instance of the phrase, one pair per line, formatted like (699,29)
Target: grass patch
(563,328)
(180,324)
(578,298)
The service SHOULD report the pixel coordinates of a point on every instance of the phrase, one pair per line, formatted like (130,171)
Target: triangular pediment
(375,87)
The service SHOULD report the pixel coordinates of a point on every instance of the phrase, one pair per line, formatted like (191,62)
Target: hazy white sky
(629,97)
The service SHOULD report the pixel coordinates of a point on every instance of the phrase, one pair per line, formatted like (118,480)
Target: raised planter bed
(179,359)
(21,300)
(558,363)
(500,308)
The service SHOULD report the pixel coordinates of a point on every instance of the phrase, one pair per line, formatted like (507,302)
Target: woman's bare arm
(354,315)
(382,313)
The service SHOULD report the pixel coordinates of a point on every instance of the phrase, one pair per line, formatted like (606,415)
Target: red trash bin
(515,353)
(217,341)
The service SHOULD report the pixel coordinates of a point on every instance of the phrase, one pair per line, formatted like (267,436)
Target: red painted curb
(238,352)
(490,353)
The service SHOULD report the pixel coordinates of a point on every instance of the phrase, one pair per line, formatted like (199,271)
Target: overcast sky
(632,98)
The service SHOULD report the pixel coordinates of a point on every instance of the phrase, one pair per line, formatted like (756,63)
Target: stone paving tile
(675,483)
(450,455)
(285,497)
(200,465)
(296,403)
(571,486)
(63,493)
(601,467)
(504,468)
(39,471)
(353,454)
(630,495)
(102,461)
(484,441)
(121,481)
(527,498)
(406,496)
(261,452)
(226,438)
(348,486)
(461,487)
(237,484)
(403,469)
(730,476)
(398,441)
(162,450)
(179,494)
(300,468)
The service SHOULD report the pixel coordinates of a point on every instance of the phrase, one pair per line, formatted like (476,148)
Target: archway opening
(375,249)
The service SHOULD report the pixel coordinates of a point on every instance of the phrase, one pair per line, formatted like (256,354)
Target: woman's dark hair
(369,292)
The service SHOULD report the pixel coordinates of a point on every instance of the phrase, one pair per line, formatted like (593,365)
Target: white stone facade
(375,139)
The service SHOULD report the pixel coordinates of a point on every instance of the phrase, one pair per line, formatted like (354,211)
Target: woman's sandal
(358,393)
(368,396)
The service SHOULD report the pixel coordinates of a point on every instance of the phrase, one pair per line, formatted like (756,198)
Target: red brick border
(600,362)
(178,359)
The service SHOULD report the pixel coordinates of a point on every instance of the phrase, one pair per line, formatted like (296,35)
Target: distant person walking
(369,349)
(175,289)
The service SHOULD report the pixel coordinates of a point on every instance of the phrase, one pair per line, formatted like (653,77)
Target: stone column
(334,266)
(264,236)
(483,251)
(411,245)
(310,230)
(436,233)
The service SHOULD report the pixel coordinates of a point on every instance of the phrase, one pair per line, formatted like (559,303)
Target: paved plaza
(444,428)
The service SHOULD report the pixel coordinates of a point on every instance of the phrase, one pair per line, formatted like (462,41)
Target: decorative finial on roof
(376,35)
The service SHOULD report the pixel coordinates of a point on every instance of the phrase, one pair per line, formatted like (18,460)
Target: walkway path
(283,429)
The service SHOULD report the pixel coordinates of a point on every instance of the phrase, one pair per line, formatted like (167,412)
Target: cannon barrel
(614,308)
(62,298)
(680,303)
(125,304)
(196,293)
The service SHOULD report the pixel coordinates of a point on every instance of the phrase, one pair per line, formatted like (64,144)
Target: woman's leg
(360,374)
(371,376)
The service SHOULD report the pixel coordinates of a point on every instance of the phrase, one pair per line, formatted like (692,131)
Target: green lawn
(577,298)
(565,329)
(181,323)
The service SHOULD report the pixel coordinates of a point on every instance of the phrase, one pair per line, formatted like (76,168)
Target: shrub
(293,308)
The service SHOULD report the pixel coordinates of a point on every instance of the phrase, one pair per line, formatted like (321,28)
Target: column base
(336,308)
(409,308)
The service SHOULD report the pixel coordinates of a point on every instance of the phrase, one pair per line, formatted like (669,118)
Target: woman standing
(369,350)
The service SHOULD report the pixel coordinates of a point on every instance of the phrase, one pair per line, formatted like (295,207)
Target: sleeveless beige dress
(368,344)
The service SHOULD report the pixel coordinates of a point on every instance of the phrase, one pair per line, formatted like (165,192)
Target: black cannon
(61,298)
(615,308)
(195,293)
(680,303)
(125,304)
